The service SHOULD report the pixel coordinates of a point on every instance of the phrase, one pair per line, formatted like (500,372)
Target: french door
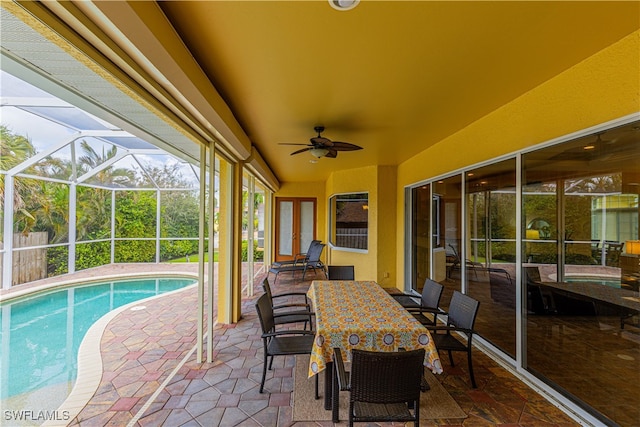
(295,226)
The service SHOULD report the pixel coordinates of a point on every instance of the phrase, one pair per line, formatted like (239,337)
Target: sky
(43,133)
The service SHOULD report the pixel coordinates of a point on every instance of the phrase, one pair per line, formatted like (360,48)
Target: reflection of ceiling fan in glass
(324,147)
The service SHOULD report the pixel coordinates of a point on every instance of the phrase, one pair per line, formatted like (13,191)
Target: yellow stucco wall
(378,263)
(601,88)
(387,219)
(359,180)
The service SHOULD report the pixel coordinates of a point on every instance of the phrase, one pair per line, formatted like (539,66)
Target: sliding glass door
(576,210)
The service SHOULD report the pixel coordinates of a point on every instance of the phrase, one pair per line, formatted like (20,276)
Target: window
(349,220)
(577,212)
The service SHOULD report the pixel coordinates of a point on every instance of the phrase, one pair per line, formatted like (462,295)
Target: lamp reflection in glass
(632,247)
(319,152)
(532,234)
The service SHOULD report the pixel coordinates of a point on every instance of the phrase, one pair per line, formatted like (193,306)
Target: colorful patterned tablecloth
(362,315)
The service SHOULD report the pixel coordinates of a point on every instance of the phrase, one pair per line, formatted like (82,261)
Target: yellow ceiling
(391,76)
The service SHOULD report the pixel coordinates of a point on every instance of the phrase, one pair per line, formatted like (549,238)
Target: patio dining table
(362,315)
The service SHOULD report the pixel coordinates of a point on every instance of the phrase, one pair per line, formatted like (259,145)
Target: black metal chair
(460,318)
(341,272)
(280,343)
(289,312)
(299,257)
(456,263)
(311,262)
(383,386)
(429,302)
(539,300)
(502,287)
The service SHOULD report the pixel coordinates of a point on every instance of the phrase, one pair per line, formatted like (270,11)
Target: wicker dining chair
(341,272)
(461,318)
(284,342)
(289,312)
(383,386)
(429,302)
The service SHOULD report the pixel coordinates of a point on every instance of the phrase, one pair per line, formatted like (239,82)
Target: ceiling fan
(324,147)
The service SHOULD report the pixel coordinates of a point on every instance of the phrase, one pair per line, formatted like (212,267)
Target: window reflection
(578,211)
(491,219)
(447,205)
(349,220)
(420,232)
(579,276)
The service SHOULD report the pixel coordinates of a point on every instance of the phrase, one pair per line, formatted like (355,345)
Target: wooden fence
(31,264)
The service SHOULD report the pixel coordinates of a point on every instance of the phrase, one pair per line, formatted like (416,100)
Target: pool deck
(148,375)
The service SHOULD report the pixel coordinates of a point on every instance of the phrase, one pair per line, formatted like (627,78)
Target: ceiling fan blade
(302,151)
(321,144)
(345,146)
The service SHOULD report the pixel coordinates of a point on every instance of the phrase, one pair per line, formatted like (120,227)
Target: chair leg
(328,386)
(335,398)
(350,414)
(473,380)
(450,358)
(271,363)
(264,373)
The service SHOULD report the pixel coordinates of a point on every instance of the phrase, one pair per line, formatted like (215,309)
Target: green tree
(15,149)
(135,218)
(91,159)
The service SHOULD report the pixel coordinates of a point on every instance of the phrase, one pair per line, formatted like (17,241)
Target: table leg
(328,385)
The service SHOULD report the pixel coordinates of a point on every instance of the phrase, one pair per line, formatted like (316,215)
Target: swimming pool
(40,335)
(611,281)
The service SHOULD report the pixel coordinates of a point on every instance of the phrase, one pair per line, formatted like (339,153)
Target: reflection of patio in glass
(568,220)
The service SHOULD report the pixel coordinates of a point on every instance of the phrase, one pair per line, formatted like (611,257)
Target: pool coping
(11,294)
(90,367)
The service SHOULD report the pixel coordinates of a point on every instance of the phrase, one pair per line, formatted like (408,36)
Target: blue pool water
(613,282)
(40,335)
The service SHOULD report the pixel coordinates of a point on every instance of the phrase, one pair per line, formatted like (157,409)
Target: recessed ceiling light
(343,4)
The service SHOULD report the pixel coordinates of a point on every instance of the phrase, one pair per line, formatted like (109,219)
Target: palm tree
(15,149)
(94,205)
(91,160)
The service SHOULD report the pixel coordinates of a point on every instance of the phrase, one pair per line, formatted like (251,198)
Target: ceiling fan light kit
(319,152)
